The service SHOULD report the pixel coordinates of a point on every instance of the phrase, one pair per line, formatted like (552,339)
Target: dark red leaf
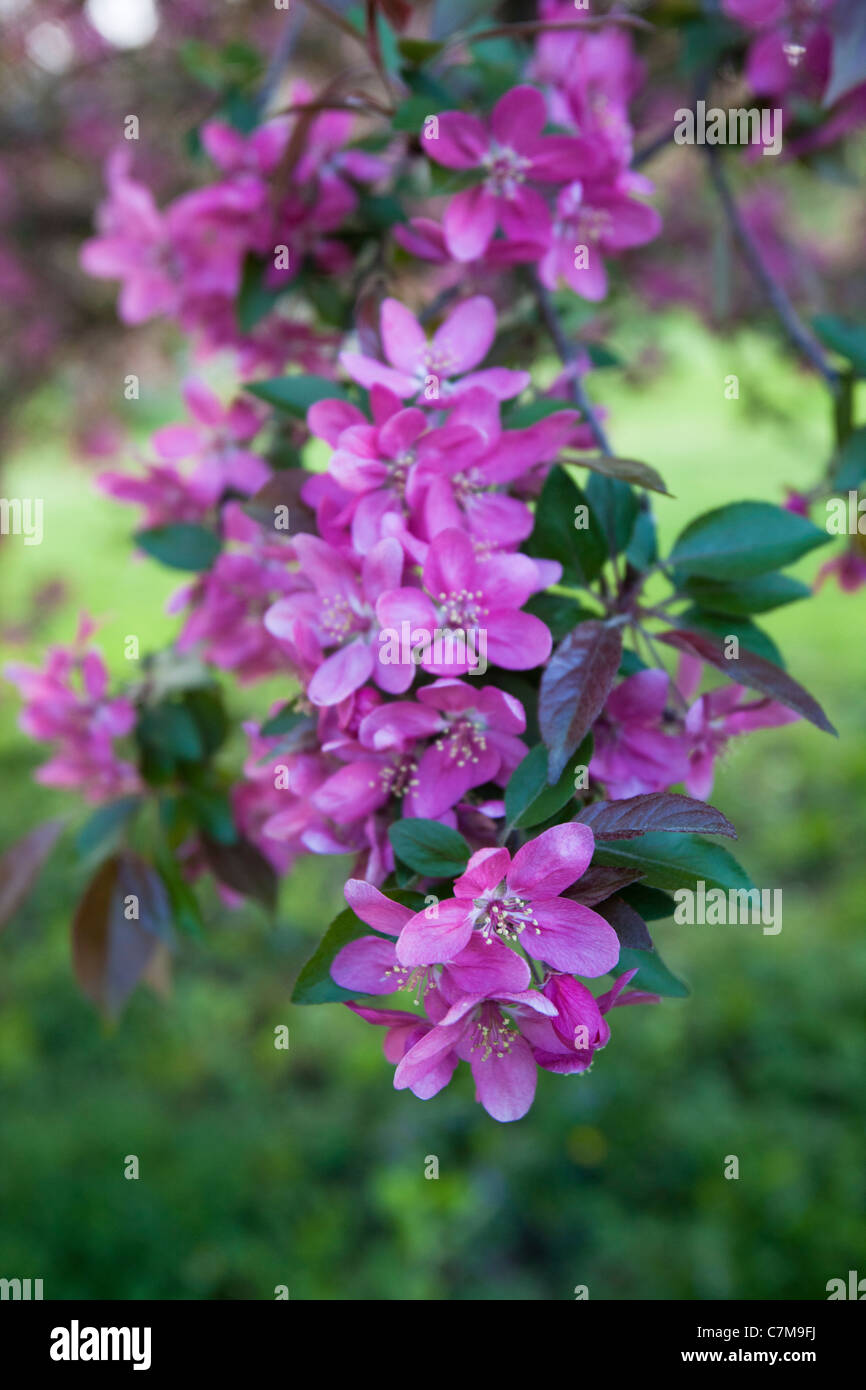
(629,926)
(574,688)
(282,490)
(244,869)
(638,815)
(599,882)
(20,865)
(751,670)
(122,932)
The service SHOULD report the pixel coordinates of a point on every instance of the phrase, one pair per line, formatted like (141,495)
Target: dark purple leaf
(282,490)
(244,869)
(629,926)
(574,688)
(751,670)
(599,882)
(122,932)
(20,865)
(638,815)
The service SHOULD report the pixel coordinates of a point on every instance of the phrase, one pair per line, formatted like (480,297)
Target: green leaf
(555,535)
(186,913)
(758,595)
(850,467)
(651,903)
(413,112)
(283,722)
(180,545)
(559,612)
(674,861)
(314,985)
(170,729)
(418,51)
(742,540)
(652,973)
(207,709)
(642,550)
(844,337)
(295,394)
(616,509)
(255,299)
(429,848)
(522,416)
(212,812)
(102,832)
(528,798)
(630,664)
(626,470)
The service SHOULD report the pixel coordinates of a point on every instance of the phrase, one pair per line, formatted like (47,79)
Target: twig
(568,356)
(282,54)
(777,296)
(650,150)
(530,27)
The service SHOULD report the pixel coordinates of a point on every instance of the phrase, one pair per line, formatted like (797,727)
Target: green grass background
(305,1168)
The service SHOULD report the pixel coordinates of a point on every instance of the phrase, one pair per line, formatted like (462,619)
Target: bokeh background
(262,1167)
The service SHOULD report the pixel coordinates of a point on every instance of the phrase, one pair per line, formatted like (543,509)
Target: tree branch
(783,308)
(568,357)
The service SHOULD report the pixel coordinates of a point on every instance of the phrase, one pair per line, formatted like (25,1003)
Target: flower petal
(543,867)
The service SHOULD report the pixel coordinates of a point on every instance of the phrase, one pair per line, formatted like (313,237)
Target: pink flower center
(398,471)
(506,170)
(398,777)
(493,1033)
(462,608)
(415,978)
(505,917)
(464,739)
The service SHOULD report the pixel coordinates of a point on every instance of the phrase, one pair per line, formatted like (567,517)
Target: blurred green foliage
(304,1167)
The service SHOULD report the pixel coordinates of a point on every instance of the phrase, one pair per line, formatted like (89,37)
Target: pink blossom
(339,611)
(418,366)
(519,900)
(594,221)
(633,753)
(849,570)
(472,597)
(370,965)
(510,156)
(67,703)
(718,716)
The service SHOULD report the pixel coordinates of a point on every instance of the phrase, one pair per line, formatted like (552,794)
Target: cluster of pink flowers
(790,58)
(187,261)
(564,201)
(402,571)
(458,958)
(66,703)
(648,738)
(196,463)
